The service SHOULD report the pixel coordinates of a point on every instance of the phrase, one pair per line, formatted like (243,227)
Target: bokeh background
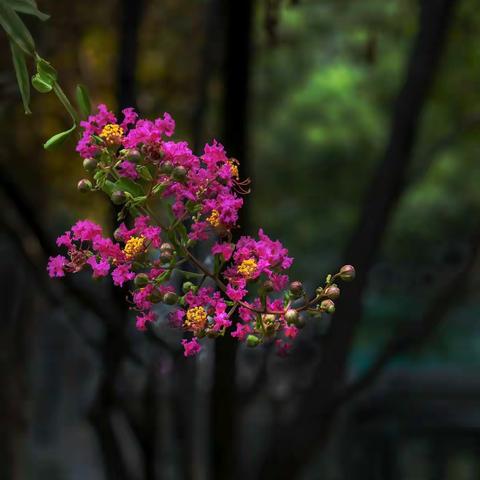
(358,123)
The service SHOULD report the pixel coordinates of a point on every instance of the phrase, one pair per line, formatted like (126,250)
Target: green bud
(117,235)
(187,286)
(300,323)
(327,306)
(166,167)
(141,280)
(90,164)
(133,156)
(332,292)
(118,197)
(166,256)
(296,288)
(291,315)
(347,273)
(155,297)
(84,185)
(252,341)
(166,246)
(179,173)
(170,298)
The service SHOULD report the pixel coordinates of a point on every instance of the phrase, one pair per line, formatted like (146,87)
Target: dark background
(358,122)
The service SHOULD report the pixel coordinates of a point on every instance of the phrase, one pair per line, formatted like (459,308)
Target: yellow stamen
(233,168)
(214,218)
(247,268)
(196,319)
(134,246)
(112,134)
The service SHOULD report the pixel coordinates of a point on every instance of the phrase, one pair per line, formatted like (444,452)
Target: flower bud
(141,280)
(155,297)
(117,235)
(133,156)
(300,323)
(179,173)
(319,291)
(118,197)
(166,167)
(187,286)
(327,306)
(291,316)
(166,246)
(332,292)
(252,341)
(347,273)
(90,164)
(170,298)
(268,319)
(166,256)
(84,185)
(296,288)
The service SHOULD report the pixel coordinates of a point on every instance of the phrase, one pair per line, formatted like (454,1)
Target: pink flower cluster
(87,247)
(173,199)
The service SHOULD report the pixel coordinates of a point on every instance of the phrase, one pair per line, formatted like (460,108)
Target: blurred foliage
(320,118)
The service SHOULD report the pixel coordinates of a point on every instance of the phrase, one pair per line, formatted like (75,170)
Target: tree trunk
(15,335)
(237,56)
(311,426)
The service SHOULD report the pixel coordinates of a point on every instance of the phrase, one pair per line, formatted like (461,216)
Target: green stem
(57,89)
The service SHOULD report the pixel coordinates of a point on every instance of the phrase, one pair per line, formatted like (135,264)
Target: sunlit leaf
(40,84)
(46,70)
(58,139)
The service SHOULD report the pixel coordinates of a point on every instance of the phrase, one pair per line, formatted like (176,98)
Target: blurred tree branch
(414,334)
(310,426)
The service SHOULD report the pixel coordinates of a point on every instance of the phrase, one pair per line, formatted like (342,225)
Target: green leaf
(109,187)
(129,186)
(159,188)
(29,7)
(139,200)
(21,72)
(144,172)
(40,84)
(46,71)
(183,231)
(83,101)
(58,139)
(16,29)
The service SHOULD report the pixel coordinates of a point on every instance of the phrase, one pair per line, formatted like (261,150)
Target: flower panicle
(171,199)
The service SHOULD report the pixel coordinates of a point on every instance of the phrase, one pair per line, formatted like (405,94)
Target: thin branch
(415,334)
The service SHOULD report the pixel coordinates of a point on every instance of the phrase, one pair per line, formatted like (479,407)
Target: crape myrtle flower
(170,200)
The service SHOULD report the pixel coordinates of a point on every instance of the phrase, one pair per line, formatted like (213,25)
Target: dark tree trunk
(16,331)
(115,343)
(210,60)
(312,425)
(237,58)
(131,14)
